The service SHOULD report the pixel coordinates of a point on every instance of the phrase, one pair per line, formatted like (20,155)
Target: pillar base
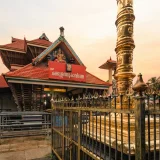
(117,132)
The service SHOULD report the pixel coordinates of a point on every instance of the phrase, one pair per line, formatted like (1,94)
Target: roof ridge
(37,39)
(17,39)
(43,36)
(12,42)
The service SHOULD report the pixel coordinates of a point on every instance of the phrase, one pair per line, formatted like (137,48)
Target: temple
(109,65)
(40,70)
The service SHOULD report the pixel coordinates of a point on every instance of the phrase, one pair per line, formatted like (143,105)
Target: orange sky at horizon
(89,29)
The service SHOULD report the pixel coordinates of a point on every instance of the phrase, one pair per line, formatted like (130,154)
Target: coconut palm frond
(154,83)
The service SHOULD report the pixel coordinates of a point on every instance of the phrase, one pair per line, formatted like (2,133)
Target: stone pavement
(24,148)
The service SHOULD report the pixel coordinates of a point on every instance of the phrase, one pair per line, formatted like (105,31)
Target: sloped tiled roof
(19,44)
(3,83)
(109,64)
(41,72)
(15,45)
(41,42)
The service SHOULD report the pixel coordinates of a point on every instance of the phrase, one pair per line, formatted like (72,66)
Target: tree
(154,83)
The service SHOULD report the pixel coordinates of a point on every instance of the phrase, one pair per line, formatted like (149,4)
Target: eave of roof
(40,73)
(35,45)
(55,83)
(3,83)
(16,45)
(109,64)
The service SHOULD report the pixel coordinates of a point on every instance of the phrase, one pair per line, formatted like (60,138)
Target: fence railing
(14,124)
(118,127)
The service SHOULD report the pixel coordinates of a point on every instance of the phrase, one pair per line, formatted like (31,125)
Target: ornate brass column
(125,45)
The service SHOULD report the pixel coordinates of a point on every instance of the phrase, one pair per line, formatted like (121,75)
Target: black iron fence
(104,127)
(15,124)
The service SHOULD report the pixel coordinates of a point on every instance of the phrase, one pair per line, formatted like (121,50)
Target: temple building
(110,65)
(40,71)
(20,52)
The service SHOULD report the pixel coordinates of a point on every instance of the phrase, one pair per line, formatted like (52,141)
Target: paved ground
(44,158)
(25,155)
(24,148)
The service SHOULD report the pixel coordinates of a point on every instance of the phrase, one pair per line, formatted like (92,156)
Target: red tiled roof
(3,83)
(41,72)
(41,42)
(16,39)
(17,44)
(90,78)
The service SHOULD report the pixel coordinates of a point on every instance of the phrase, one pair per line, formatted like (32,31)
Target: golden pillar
(125,46)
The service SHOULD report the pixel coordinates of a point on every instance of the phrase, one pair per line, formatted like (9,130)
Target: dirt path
(27,148)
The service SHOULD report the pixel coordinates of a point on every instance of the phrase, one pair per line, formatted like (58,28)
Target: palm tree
(154,83)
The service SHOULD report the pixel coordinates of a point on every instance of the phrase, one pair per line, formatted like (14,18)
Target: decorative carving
(59,56)
(126,2)
(130,59)
(125,45)
(122,85)
(127,59)
(130,2)
(119,60)
(120,31)
(130,30)
(140,86)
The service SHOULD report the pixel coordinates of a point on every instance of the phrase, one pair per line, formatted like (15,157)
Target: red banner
(68,72)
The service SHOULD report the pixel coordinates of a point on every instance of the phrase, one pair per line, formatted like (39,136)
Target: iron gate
(100,127)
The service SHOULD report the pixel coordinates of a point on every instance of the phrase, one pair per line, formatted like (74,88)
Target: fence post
(140,128)
(63,138)
(52,153)
(139,87)
(79,135)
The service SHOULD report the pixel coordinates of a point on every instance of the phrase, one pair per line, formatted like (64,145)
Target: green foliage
(154,83)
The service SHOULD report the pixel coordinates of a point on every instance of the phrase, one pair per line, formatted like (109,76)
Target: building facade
(41,71)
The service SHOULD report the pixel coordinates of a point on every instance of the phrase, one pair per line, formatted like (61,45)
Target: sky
(89,28)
